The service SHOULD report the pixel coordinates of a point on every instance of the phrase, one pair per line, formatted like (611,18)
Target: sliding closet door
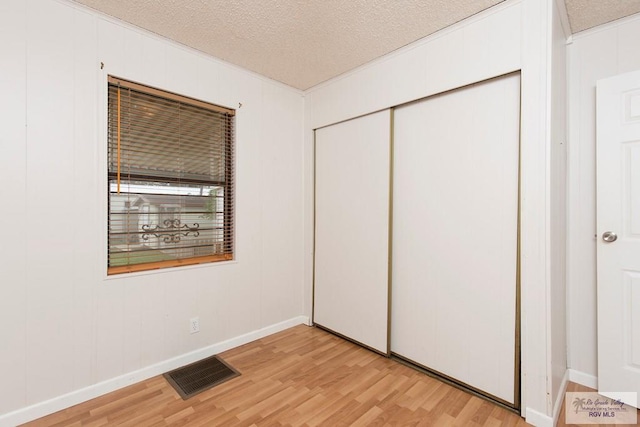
(455,234)
(352,229)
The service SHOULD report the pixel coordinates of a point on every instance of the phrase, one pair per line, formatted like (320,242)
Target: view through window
(170,173)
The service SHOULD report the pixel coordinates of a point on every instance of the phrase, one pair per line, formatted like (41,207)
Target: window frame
(228,212)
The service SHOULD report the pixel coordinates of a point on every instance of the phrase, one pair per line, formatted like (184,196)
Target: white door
(351,283)
(455,234)
(618,233)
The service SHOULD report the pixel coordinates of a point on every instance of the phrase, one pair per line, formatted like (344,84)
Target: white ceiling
(305,42)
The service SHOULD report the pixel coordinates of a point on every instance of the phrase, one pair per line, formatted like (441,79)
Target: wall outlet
(194,325)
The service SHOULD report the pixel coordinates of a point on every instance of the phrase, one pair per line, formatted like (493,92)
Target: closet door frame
(516,406)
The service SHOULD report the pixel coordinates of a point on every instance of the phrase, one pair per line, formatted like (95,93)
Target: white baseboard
(59,403)
(557,406)
(538,419)
(581,378)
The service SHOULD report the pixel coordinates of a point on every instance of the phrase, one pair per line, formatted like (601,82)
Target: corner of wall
(583,378)
(538,419)
(557,405)
(59,403)
(561,9)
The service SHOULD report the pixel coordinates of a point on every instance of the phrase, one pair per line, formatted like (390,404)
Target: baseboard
(538,419)
(59,403)
(557,406)
(581,378)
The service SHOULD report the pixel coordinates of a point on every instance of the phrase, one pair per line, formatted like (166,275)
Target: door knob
(609,236)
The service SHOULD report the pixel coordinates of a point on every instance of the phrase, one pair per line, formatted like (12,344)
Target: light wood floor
(299,377)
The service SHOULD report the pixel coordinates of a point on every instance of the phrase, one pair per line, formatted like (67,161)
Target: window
(170,177)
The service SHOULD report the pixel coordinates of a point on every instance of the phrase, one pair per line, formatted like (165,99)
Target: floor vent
(200,376)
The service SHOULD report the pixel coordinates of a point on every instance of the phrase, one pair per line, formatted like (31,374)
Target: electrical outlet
(194,325)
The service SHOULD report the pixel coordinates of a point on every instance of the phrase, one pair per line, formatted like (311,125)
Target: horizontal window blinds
(170,173)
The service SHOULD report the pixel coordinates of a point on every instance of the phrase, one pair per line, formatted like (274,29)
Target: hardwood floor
(299,377)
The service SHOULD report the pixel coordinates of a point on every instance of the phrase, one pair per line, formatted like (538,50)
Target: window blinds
(170,174)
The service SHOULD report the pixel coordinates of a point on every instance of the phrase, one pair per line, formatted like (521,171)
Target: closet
(438,289)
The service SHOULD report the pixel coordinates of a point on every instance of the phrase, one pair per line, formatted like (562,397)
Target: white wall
(558,195)
(65,326)
(514,35)
(602,52)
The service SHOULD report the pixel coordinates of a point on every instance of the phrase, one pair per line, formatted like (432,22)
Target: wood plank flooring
(299,377)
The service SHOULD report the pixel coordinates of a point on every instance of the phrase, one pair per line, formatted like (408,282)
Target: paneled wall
(64,325)
(558,206)
(605,51)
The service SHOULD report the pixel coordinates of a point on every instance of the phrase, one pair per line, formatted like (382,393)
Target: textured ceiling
(305,42)
(297,42)
(584,14)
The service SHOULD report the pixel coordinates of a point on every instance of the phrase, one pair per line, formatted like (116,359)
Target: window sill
(153,266)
